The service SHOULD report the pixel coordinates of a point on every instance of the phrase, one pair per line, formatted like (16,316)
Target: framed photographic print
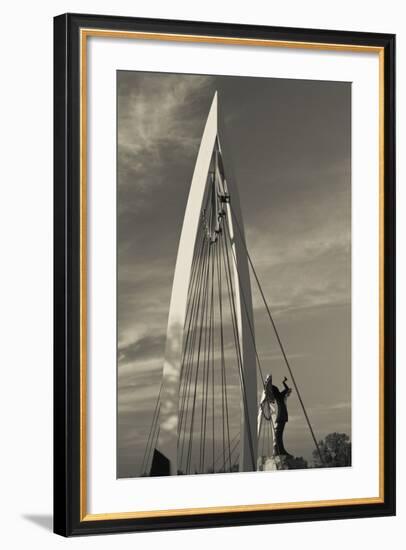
(224,342)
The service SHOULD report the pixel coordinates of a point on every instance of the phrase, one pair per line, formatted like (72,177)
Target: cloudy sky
(290,141)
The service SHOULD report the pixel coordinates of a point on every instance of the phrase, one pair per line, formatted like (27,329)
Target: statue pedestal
(270,463)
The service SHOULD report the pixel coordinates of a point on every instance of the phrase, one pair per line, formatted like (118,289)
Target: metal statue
(273,408)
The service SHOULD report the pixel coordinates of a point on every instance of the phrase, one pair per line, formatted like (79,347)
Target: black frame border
(67,521)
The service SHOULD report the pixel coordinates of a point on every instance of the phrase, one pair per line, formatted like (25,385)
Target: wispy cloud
(144,348)
(151,120)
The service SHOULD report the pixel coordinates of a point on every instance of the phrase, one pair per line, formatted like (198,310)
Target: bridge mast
(213,139)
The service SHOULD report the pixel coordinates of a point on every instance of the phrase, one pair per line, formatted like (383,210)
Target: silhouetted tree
(335,450)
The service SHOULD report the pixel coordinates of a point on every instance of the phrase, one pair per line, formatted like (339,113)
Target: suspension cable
(222,359)
(189,455)
(277,336)
(230,288)
(150,439)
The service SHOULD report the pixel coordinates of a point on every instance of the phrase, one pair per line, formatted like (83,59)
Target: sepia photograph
(233,274)
(224,274)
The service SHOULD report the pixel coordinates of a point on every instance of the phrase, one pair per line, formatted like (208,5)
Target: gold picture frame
(71,40)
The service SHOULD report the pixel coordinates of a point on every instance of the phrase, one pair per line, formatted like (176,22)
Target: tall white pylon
(213,136)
